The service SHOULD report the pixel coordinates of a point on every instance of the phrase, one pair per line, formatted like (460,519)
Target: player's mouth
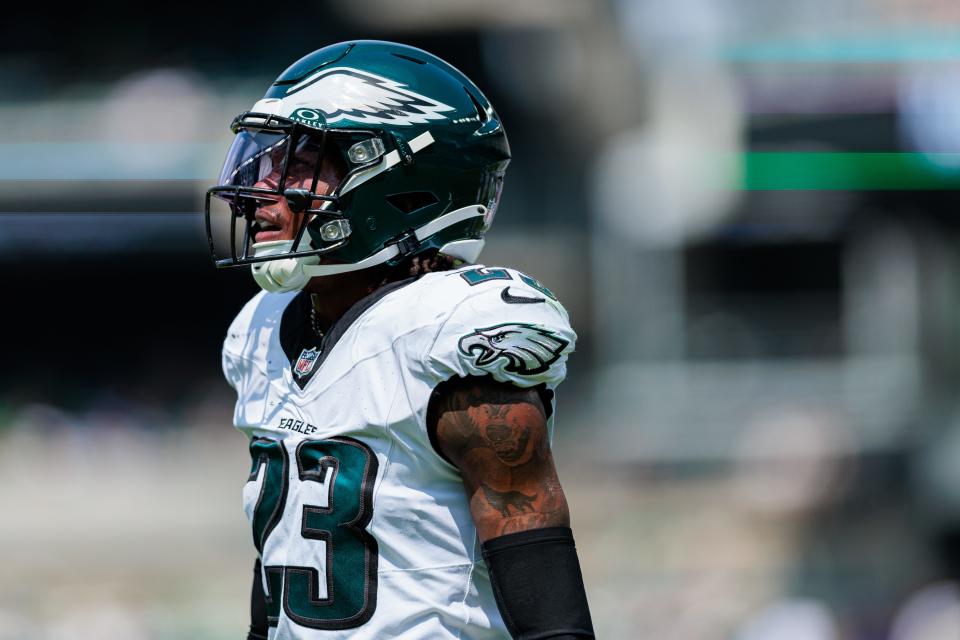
(267,228)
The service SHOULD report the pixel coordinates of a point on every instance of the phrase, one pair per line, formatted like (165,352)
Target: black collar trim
(296,330)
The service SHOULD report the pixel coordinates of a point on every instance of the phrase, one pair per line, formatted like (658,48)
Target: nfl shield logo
(308,358)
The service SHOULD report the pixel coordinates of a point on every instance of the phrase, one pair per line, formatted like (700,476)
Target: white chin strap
(277,276)
(291,274)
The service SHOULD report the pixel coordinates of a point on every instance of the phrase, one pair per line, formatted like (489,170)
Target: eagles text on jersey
(363,530)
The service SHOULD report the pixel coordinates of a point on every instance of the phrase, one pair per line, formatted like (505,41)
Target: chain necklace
(314,321)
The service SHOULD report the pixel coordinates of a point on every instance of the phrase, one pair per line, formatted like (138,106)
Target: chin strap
(394,250)
(278,276)
(292,274)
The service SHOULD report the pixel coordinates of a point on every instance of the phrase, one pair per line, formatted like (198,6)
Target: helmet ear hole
(412,201)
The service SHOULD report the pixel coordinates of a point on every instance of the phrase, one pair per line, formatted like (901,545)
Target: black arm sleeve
(258,606)
(538,585)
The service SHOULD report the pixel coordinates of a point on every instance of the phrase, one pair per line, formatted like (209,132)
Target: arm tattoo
(496,434)
(503,500)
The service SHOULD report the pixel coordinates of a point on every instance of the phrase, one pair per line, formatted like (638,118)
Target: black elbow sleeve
(538,585)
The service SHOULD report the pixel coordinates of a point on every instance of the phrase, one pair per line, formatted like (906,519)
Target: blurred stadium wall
(750,209)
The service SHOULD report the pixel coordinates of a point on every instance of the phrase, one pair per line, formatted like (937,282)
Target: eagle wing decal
(343,93)
(526,349)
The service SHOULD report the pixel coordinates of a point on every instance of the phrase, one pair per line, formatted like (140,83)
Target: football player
(398,397)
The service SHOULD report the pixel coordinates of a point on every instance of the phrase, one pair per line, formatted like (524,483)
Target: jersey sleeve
(524,343)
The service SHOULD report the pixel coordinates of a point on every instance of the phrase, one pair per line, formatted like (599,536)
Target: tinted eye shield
(255,176)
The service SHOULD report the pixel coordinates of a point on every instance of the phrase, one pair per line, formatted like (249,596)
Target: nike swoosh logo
(509,299)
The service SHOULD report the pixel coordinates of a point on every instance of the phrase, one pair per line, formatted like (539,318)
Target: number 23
(347,469)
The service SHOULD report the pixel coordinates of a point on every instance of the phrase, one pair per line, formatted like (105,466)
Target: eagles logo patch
(525,348)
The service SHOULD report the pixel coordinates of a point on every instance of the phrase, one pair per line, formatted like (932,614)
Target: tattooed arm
(496,434)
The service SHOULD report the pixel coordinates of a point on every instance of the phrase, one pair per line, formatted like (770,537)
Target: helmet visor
(253,158)
(263,160)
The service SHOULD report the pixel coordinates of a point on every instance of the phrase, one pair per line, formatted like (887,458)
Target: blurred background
(748,207)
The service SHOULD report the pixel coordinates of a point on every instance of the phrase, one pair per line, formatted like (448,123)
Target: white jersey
(363,530)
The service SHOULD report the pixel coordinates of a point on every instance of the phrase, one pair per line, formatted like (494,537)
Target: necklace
(314,321)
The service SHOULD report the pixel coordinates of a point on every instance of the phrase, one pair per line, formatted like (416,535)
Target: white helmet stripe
(388,161)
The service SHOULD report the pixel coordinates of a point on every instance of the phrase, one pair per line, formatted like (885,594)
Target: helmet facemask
(278,196)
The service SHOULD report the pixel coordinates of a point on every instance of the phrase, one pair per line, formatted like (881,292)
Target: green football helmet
(418,152)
